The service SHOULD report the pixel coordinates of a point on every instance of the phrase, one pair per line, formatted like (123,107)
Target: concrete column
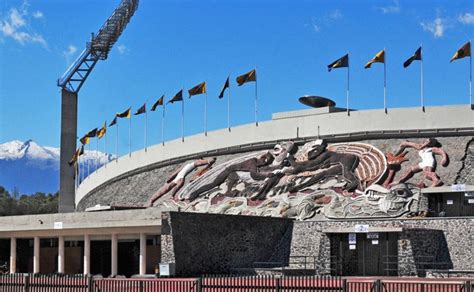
(114,250)
(13,255)
(142,254)
(87,254)
(68,147)
(36,255)
(61,255)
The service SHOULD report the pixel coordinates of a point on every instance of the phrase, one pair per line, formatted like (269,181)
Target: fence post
(27,282)
(141,286)
(277,284)
(90,283)
(468,286)
(378,286)
(344,285)
(199,284)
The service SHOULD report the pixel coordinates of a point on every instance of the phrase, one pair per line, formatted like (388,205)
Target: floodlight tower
(71,82)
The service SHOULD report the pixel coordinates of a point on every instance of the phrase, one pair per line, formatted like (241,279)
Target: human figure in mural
(176,179)
(427,151)
(262,168)
(334,163)
(394,165)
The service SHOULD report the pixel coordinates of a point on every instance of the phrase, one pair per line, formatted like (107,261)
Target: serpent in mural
(314,180)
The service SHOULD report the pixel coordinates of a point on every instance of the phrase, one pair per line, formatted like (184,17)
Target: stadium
(325,191)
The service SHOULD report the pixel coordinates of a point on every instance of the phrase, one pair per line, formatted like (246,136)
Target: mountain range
(28,167)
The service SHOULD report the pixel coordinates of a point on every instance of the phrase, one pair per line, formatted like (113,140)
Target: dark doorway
(24,255)
(128,257)
(101,257)
(451,204)
(364,254)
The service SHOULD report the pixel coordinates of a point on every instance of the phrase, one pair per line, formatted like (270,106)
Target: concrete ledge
(338,126)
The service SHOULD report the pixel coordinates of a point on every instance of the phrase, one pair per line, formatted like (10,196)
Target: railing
(227,283)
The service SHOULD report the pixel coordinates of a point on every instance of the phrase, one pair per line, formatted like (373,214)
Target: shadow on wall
(429,250)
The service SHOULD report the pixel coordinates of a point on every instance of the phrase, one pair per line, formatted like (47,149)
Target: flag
(247,77)
(76,155)
(340,63)
(198,89)
(102,131)
(177,97)
(141,110)
(416,56)
(157,103)
(226,85)
(125,114)
(114,121)
(91,134)
(379,58)
(84,140)
(464,51)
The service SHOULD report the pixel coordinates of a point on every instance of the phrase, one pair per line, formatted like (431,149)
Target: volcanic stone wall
(440,240)
(136,188)
(217,244)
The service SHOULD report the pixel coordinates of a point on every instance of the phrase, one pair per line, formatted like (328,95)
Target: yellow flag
(379,58)
(464,51)
(102,131)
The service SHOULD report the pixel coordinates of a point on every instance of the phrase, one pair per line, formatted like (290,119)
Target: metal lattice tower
(71,82)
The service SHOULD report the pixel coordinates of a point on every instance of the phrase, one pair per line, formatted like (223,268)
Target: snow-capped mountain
(31,168)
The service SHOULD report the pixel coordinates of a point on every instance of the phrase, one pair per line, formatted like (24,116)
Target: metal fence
(234,283)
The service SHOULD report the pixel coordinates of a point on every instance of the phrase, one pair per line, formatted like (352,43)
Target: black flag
(226,85)
(416,56)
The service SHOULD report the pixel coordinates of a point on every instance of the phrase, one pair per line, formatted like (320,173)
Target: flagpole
(205,113)
(470,76)
(146,124)
(88,169)
(421,81)
(256,100)
(105,144)
(163,125)
(182,119)
(116,142)
(385,81)
(347,95)
(97,154)
(228,106)
(130,137)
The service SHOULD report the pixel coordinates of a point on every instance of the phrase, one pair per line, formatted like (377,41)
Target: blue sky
(169,45)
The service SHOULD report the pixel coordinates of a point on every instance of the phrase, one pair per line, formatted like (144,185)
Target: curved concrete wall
(442,120)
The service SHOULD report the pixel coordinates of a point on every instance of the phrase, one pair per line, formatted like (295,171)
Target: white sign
(469,194)
(449,202)
(372,235)
(470,201)
(361,228)
(352,238)
(375,241)
(458,188)
(58,225)
(352,246)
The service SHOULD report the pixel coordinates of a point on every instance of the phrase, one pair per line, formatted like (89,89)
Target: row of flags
(343,62)
(201,88)
(464,51)
(251,76)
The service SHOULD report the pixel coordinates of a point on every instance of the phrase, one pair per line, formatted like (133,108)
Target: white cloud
(38,14)
(122,49)
(394,8)
(466,18)
(325,21)
(15,25)
(437,27)
(71,50)
(336,14)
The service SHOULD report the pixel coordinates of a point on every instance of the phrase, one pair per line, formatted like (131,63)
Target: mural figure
(333,163)
(176,179)
(427,151)
(262,168)
(394,165)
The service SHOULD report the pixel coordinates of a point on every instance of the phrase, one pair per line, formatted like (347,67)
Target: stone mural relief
(342,180)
